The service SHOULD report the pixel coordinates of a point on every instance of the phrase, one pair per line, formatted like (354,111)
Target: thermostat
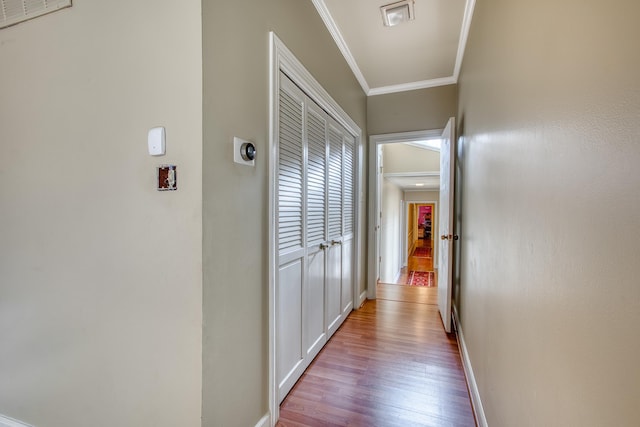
(244,152)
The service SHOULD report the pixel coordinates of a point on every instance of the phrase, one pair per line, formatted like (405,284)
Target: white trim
(464,35)
(410,174)
(10,422)
(362,298)
(423,147)
(404,87)
(264,421)
(434,220)
(478,410)
(331,25)
(282,59)
(374,192)
(406,137)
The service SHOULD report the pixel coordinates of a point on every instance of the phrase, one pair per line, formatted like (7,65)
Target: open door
(445,269)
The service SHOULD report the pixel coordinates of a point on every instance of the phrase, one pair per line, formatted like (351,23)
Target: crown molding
(464,35)
(404,87)
(331,25)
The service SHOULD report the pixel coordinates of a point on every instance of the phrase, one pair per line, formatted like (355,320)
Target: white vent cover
(15,11)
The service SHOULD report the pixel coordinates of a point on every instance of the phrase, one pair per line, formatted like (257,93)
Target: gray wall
(235,215)
(100,274)
(550,221)
(421,109)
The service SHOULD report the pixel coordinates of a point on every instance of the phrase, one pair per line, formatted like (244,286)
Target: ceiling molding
(423,147)
(411,190)
(424,84)
(411,174)
(464,35)
(331,25)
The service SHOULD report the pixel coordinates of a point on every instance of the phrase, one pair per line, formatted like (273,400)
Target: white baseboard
(10,422)
(264,421)
(397,277)
(361,298)
(478,410)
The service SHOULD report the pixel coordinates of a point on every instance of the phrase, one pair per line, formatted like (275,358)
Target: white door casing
(445,270)
(375,188)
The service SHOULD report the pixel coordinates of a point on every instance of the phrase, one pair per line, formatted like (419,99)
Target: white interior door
(316,214)
(348,223)
(291,278)
(445,269)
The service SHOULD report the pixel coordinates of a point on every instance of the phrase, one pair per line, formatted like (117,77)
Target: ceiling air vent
(15,11)
(397,13)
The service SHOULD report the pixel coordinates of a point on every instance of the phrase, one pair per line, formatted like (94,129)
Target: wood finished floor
(390,364)
(415,263)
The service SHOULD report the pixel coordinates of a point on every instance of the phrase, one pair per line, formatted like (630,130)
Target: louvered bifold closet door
(314,210)
(289,302)
(314,321)
(348,222)
(334,253)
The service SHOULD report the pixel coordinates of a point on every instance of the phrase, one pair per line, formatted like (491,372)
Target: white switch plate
(237,157)
(156,141)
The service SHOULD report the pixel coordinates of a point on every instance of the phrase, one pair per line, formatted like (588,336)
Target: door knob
(323,246)
(456,237)
(444,237)
(335,242)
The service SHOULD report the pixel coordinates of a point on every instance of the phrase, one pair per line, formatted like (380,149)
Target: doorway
(420,267)
(393,183)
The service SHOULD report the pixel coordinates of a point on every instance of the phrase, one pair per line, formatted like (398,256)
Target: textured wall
(100,274)
(549,115)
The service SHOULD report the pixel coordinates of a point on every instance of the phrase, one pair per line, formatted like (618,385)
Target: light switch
(156,141)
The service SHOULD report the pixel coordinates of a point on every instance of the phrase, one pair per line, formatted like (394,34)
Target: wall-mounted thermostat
(244,152)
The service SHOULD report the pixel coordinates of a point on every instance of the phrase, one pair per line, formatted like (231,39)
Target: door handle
(323,246)
(450,237)
(335,242)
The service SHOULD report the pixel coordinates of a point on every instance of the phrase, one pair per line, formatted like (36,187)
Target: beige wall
(550,229)
(100,274)
(403,158)
(421,109)
(236,197)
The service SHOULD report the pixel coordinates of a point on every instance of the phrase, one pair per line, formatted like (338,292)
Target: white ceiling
(425,52)
(416,181)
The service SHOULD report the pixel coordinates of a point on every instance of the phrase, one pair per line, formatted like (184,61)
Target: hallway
(390,364)
(421,259)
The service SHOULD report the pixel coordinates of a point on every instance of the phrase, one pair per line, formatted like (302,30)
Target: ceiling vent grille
(397,13)
(16,11)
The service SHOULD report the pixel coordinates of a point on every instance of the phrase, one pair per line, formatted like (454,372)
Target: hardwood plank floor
(417,263)
(390,364)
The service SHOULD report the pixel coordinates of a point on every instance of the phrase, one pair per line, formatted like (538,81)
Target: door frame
(282,59)
(434,228)
(375,142)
